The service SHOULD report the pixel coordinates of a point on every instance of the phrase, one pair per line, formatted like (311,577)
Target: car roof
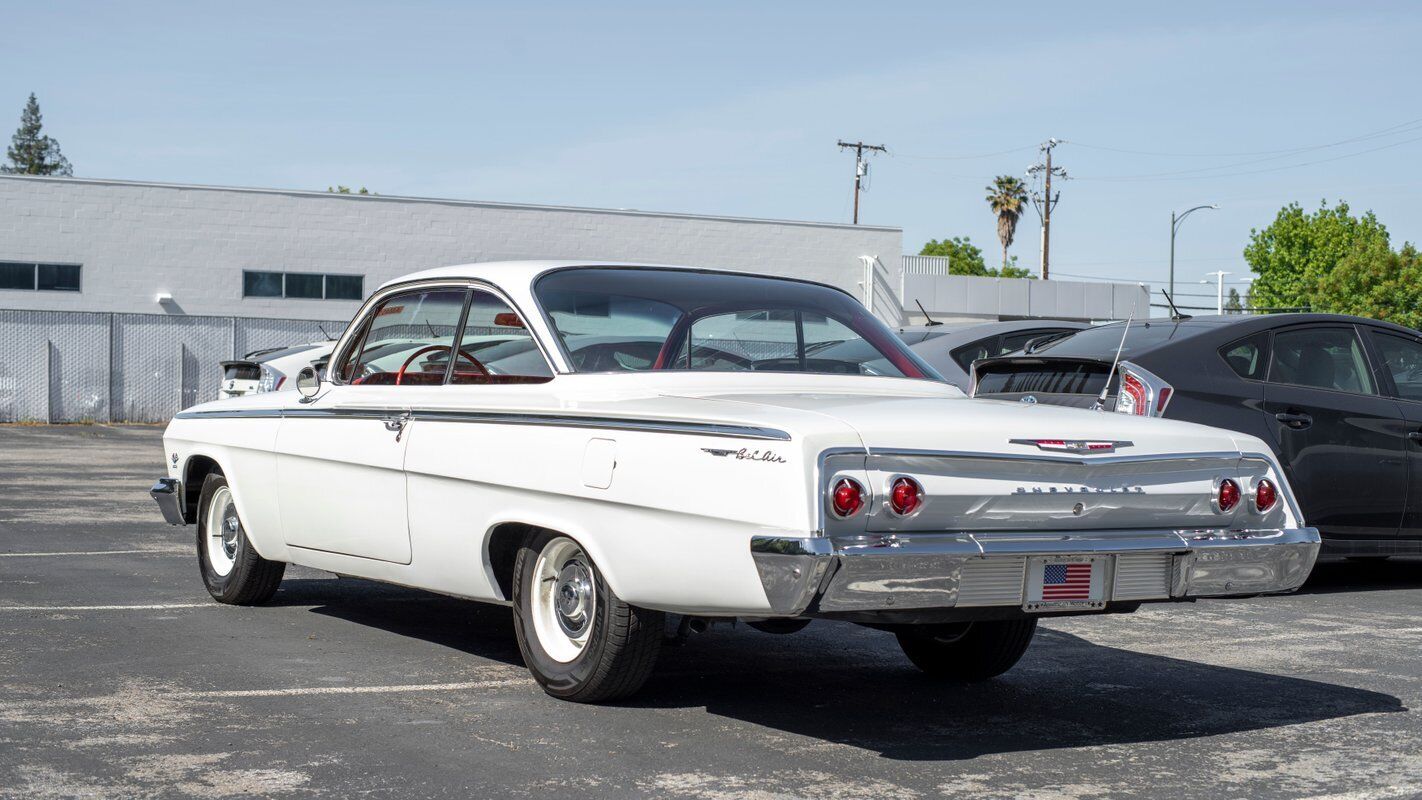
(1157,333)
(506,273)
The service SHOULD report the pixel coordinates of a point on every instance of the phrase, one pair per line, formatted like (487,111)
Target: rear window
(1101,341)
(1048,378)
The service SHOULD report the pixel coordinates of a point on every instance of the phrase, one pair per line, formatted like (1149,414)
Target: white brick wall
(138,239)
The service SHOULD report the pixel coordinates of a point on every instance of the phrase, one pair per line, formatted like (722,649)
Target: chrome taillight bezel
(1217,492)
(832,490)
(889,496)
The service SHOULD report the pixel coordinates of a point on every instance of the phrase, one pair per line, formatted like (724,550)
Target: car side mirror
(308,383)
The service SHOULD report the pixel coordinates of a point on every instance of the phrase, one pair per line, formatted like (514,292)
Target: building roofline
(370,198)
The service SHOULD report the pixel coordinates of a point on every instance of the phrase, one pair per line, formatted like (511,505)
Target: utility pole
(1045,201)
(1219,277)
(861,167)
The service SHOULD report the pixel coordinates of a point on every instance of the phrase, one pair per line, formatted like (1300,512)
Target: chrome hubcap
(230,526)
(574,597)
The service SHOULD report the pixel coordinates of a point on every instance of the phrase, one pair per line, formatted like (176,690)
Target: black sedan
(1338,398)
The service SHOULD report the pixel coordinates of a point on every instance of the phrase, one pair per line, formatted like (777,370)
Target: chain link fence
(73,366)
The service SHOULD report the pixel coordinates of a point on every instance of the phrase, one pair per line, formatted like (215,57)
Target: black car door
(1339,437)
(1401,359)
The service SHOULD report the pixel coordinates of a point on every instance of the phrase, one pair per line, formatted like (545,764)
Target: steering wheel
(399,376)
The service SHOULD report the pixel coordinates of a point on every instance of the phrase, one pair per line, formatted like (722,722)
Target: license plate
(1066,582)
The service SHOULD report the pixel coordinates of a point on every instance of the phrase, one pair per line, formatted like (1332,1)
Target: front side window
(1322,358)
(406,340)
(1403,358)
(623,319)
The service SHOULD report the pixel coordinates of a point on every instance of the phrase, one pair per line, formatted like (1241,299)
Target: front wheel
(231,568)
(967,651)
(578,639)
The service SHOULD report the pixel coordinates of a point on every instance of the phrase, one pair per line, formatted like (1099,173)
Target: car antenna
(1175,315)
(931,321)
(322,329)
(1106,387)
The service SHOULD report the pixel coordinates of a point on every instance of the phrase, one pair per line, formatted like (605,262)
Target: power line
(968,158)
(1167,176)
(1388,131)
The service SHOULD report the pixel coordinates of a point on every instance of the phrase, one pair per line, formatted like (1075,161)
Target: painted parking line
(228,694)
(146,607)
(147,551)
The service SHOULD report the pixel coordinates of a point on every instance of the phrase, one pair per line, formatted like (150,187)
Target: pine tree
(32,153)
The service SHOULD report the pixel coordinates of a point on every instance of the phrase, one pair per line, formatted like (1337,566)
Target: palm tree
(1007,197)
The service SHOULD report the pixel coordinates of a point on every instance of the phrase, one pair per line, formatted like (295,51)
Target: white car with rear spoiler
(623,452)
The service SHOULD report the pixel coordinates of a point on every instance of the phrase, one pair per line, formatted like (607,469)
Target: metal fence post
(48,381)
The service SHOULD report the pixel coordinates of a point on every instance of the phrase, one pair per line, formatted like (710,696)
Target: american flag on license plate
(1066,581)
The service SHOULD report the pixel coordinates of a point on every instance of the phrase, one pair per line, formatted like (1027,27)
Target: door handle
(1415,436)
(396,423)
(1294,419)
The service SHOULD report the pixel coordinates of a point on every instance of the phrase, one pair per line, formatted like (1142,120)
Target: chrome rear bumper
(963,570)
(168,492)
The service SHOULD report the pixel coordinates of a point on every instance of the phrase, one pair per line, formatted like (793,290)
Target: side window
(496,346)
(1403,358)
(1248,357)
(1324,358)
(407,340)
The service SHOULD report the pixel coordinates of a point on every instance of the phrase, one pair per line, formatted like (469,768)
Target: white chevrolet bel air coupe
(602,447)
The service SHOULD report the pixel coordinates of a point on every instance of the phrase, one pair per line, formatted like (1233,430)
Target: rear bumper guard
(964,570)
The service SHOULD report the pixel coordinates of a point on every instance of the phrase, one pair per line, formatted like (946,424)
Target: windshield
(628,319)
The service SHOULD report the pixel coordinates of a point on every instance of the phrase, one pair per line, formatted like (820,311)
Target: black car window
(1248,357)
(1324,358)
(1403,357)
(965,354)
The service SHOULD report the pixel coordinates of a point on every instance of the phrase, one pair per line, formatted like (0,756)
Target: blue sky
(734,108)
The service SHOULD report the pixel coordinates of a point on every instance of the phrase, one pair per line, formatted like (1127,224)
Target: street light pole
(1175,221)
(1219,295)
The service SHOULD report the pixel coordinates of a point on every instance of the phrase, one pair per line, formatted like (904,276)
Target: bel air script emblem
(745,454)
(1073,445)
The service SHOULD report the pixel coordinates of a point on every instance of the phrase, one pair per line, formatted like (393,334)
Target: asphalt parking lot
(120,678)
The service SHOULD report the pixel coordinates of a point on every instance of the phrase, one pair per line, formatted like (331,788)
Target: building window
(39,277)
(302,285)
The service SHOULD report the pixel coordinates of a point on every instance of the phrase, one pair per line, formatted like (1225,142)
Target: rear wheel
(967,651)
(580,641)
(231,568)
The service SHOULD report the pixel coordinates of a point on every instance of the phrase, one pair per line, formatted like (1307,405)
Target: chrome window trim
(344,344)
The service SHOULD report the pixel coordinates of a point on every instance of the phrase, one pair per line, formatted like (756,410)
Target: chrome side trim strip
(608,423)
(500,418)
(1085,461)
(238,413)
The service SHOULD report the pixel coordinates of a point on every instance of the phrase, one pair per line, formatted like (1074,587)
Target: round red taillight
(846,498)
(1228,496)
(1265,495)
(905,496)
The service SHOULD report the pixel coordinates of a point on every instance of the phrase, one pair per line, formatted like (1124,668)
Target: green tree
(1374,281)
(1233,305)
(1007,197)
(966,258)
(338,189)
(30,151)
(1299,250)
